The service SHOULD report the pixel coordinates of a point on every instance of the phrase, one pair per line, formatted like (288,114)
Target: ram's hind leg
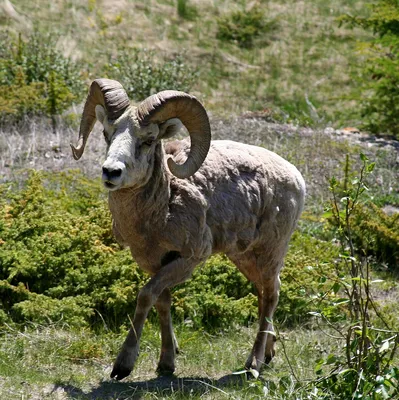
(265,276)
(169,348)
(263,348)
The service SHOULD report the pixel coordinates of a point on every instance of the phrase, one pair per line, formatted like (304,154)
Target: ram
(176,204)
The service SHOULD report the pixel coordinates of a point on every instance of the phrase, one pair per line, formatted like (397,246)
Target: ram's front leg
(170,275)
(169,348)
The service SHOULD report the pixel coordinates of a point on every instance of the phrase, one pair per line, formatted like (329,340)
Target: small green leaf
(370,167)
(363,157)
(336,287)
(327,214)
(341,301)
(331,359)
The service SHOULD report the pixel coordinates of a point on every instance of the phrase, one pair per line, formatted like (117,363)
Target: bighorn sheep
(219,196)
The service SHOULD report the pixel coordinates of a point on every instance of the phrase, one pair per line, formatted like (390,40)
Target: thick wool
(243,198)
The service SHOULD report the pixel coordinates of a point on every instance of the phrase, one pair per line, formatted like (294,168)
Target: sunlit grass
(307,58)
(47,361)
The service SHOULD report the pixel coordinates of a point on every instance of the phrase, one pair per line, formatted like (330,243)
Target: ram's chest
(141,233)
(153,229)
(144,242)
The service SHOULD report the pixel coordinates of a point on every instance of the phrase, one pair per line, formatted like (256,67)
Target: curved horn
(173,104)
(108,93)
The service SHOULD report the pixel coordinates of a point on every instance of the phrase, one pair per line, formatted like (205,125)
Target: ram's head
(132,134)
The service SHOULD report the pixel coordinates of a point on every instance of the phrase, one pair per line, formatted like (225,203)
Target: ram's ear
(169,128)
(100,113)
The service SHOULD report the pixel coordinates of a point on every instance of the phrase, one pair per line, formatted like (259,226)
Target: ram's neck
(140,211)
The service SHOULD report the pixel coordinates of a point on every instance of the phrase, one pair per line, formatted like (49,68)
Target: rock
(390,210)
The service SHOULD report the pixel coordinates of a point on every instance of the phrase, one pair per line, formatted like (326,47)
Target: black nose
(112,173)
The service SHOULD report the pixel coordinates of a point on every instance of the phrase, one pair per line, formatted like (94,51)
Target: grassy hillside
(296,66)
(67,288)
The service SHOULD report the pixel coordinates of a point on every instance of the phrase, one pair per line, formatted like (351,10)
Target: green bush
(373,232)
(142,75)
(377,233)
(20,99)
(35,77)
(364,368)
(217,296)
(242,27)
(59,261)
(57,255)
(379,78)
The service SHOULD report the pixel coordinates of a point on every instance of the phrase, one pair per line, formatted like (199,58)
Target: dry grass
(306,55)
(35,146)
(318,153)
(52,363)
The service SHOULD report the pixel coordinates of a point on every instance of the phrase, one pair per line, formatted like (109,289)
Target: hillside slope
(297,67)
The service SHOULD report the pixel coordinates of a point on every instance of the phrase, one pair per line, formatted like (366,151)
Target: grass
(53,361)
(303,63)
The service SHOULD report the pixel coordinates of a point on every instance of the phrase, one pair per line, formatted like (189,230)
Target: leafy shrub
(20,99)
(364,368)
(59,261)
(35,78)
(242,27)
(379,80)
(373,232)
(216,296)
(377,233)
(304,279)
(141,75)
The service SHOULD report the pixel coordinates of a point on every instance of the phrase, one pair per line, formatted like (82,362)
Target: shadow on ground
(162,386)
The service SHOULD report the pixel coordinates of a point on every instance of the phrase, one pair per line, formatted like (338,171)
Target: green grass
(47,361)
(305,58)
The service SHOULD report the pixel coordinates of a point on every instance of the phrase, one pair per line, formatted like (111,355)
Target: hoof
(119,373)
(252,364)
(165,370)
(124,364)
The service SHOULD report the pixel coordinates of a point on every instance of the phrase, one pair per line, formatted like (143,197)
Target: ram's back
(254,196)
